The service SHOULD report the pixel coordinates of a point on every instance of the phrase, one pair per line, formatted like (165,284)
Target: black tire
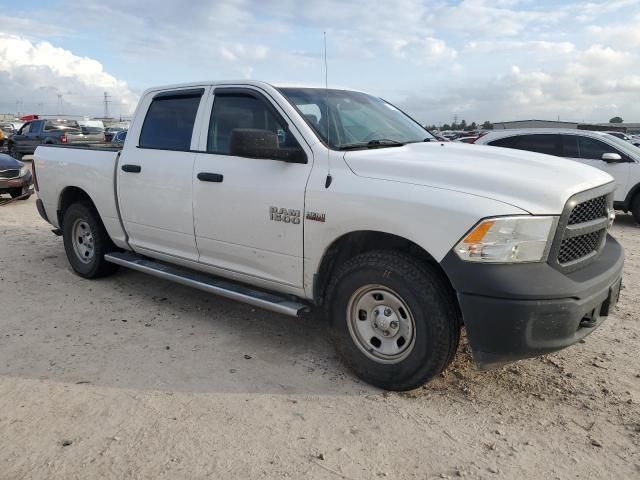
(431,304)
(19,192)
(635,207)
(96,266)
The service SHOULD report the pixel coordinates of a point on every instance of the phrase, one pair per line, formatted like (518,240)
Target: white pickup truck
(292,198)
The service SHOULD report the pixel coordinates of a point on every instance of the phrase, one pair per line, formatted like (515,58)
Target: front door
(249,212)
(155,173)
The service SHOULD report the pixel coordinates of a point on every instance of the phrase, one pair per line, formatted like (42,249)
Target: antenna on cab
(327,183)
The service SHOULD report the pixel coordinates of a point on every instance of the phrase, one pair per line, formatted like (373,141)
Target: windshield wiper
(380,142)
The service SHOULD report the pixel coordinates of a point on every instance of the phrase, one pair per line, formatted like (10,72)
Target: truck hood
(539,184)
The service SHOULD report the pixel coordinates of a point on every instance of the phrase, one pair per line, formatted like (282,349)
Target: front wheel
(86,241)
(393,320)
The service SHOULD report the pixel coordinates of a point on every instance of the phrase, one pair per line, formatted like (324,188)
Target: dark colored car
(51,132)
(15,177)
(111,132)
(119,138)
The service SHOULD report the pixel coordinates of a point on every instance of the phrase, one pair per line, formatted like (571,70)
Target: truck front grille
(578,247)
(589,210)
(14,173)
(582,229)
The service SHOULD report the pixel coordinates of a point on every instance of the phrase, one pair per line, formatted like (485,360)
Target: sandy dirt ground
(135,377)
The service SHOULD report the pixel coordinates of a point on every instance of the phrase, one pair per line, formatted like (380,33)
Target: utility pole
(106,104)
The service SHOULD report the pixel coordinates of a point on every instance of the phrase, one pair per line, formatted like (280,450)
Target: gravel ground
(136,377)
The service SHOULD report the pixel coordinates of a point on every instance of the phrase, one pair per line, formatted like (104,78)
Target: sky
(495,60)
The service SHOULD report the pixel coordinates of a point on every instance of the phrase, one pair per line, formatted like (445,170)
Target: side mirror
(612,157)
(255,143)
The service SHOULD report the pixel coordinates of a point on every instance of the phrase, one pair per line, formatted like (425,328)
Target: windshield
(357,120)
(623,144)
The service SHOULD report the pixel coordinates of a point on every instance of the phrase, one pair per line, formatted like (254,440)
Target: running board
(224,288)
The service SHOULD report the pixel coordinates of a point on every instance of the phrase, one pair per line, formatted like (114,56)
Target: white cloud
(37,72)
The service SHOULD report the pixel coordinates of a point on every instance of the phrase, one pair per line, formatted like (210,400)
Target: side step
(218,286)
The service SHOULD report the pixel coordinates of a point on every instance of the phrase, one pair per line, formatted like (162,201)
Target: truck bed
(85,168)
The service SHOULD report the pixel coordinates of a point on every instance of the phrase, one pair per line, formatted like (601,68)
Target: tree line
(463,125)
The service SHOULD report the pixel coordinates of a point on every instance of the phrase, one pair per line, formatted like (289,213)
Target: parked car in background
(466,139)
(50,132)
(623,136)
(617,157)
(111,130)
(119,138)
(15,177)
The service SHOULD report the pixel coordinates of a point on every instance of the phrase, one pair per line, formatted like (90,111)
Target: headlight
(508,240)
(24,171)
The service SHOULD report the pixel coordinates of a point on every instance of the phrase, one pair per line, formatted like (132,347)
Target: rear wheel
(86,241)
(635,207)
(393,321)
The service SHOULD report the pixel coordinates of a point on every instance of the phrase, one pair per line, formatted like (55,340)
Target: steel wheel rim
(381,324)
(82,240)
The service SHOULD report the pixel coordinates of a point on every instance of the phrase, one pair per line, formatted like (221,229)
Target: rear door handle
(131,168)
(210,177)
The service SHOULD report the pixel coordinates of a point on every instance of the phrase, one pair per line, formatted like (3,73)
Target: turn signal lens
(508,240)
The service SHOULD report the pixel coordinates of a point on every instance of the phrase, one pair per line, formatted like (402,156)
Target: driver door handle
(131,168)
(210,177)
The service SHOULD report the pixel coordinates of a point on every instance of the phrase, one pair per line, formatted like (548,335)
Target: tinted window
(570,146)
(232,111)
(540,143)
(52,125)
(507,142)
(549,144)
(91,130)
(594,149)
(169,122)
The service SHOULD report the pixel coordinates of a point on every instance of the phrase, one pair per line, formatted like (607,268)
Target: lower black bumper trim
(512,312)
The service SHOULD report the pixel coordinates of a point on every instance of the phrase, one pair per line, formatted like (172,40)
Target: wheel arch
(68,197)
(633,192)
(354,243)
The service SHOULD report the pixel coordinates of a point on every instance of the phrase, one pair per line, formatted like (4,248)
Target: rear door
(155,173)
(589,151)
(249,212)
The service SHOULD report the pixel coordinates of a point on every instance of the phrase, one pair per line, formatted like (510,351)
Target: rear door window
(170,120)
(570,147)
(542,143)
(57,125)
(549,144)
(507,142)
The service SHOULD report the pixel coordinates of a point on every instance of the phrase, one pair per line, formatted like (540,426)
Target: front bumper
(7,185)
(519,311)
